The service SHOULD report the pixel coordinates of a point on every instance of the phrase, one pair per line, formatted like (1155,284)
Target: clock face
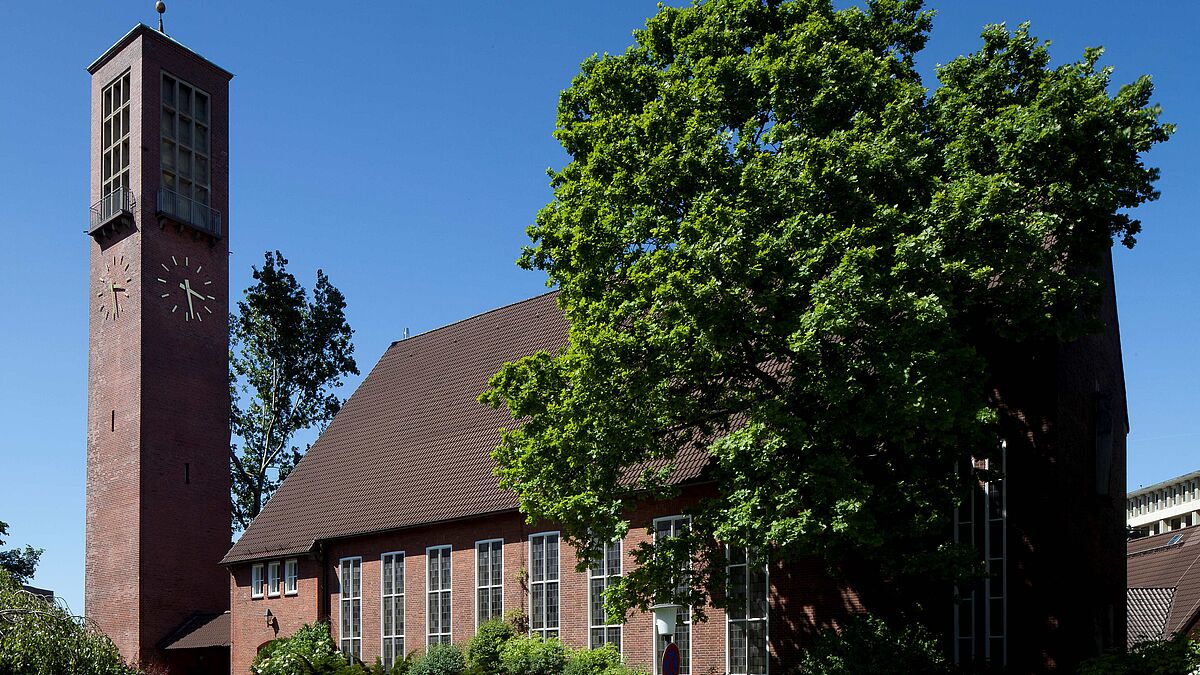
(114,288)
(186,288)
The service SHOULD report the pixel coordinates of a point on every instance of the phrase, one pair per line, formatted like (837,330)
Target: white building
(1166,506)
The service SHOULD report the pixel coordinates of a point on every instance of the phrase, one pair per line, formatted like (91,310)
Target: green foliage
(483,649)
(533,656)
(1167,657)
(516,617)
(605,660)
(440,659)
(868,645)
(40,638)
(310,650)
(287,356)
(772,241)
(18,562)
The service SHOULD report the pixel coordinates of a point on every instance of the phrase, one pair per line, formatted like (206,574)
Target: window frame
(397,557)
(257,581)
(343,598)
(557,581)
(620,544)
(444,587)
(117,144)
(765,620)
(657,666)
(489,586)
(190,147)
(291,576)
(274,580)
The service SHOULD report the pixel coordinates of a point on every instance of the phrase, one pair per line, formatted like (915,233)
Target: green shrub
(605,660)
(867,644)
(310,650)
(40,638)
(483,650)
(440,659)
(1165,657)
(533,656)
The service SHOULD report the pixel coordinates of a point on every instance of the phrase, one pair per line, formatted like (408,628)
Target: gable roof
(1164,584)
(413,446)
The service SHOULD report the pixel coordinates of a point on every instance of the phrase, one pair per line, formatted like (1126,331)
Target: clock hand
(187,287)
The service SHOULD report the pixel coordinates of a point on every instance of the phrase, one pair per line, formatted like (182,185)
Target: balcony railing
(115,208)
(190,212)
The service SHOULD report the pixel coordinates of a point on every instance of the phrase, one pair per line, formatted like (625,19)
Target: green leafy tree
(483,649)
(440,659)
(533,655)
(18,562)
(38,637)
(288,354)
(772,241)
(1174,656)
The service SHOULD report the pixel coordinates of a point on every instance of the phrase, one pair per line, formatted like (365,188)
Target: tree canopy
(288,354)
(773,240)
(20,563)
(38,637)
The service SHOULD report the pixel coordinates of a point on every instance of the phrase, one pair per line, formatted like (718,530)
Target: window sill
(290,593)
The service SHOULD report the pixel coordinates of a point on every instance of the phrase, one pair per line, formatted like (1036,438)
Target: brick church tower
(158,394)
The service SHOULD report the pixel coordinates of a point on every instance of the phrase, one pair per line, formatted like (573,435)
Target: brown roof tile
(199,631)
(412,446)
(1165,561)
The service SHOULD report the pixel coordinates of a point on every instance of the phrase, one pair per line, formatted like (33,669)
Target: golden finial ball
(160,6)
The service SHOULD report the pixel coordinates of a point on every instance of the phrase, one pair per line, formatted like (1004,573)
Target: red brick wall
(800,590)
(158,486)
(113,540)
(249,629)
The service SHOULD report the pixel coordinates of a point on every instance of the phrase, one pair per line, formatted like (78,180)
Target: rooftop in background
(1164,588)
(1166,506)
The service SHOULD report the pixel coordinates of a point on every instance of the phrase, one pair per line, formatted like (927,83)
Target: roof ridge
(472,317)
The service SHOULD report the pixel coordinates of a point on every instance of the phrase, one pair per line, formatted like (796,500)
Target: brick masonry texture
(319,597)
(158,399)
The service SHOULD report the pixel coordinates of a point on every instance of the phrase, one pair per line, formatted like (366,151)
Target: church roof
(1164,584)
(412,446)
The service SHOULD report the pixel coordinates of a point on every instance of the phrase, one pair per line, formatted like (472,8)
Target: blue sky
(402,147)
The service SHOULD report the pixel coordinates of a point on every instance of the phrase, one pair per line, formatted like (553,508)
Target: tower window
(185,140)
(114,173)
